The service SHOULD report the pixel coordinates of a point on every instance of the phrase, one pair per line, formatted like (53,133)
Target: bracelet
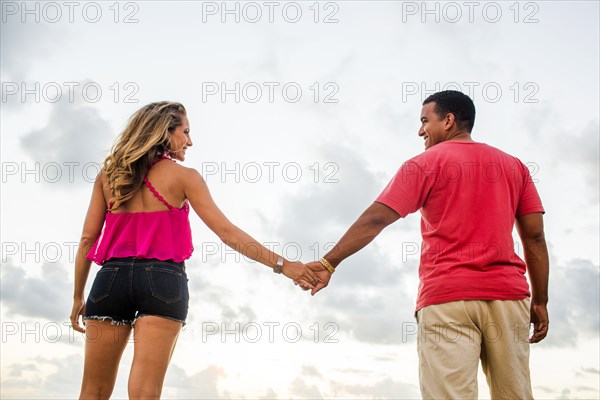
(327,265)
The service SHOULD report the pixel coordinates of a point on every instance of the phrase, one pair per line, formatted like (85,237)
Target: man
(473,301)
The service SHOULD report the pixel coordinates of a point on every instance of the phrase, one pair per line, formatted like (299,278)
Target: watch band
(278,266)
(327,265)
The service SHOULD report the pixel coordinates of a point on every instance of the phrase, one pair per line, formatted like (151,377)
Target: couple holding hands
(137,229)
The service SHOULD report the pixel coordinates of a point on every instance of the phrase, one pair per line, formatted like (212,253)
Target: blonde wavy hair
(145,137)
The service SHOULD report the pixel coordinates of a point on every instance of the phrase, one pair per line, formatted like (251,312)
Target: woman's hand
(299,272)
(78,310)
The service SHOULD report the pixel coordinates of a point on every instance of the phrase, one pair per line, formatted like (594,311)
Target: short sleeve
(530,201)
(408,189)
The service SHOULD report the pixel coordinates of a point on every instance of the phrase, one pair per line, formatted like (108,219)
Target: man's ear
(448,121)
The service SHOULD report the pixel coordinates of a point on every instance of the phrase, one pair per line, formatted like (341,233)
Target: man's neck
(459,137)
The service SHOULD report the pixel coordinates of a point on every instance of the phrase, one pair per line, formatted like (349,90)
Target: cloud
(201,385)
(30,381)
(366,297)
(75,133)
(46,297)
(593,371)
(385,389)
(314,385)
(24,44)
(574,303)
(300,388)
(210,299)
(17,370)
(583,152)
(270,395)
(332,205)
(374,310)
(23,47)
(310,370)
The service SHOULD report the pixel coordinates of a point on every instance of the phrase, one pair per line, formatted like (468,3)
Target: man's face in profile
(432,127)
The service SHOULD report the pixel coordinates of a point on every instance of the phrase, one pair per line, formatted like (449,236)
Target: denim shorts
(128,288)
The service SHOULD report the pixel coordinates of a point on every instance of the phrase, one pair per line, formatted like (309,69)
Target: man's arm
(531,231)
(372,221)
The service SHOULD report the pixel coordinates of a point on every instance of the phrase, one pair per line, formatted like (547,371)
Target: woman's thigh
(154,342)
(104,345)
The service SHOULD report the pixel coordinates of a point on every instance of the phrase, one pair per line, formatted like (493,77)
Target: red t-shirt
(469,195)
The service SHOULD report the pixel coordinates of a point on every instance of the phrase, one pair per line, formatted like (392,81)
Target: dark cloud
(48,296)
(375,310)
(66,378)
(333,205)
(574,303)
(27,382)
(365,297)
(75,133)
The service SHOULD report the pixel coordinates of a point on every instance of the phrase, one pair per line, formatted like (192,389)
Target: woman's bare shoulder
(182,173)
(101,178)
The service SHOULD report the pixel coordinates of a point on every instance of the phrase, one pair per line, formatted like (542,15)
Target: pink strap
(158,196)
(162,157)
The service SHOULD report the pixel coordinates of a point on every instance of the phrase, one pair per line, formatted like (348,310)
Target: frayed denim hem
(155,315)
(104,318)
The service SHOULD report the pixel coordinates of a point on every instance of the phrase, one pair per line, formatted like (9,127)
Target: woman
(144,195)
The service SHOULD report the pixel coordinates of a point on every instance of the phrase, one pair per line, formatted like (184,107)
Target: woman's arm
(92,227)
(201,201)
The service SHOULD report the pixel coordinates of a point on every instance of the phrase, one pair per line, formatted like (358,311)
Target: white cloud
(387,388)
(25,44)
(369,55)
(201,385)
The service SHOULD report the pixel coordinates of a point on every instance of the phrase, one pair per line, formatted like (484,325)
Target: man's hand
(323,275)
(539,319)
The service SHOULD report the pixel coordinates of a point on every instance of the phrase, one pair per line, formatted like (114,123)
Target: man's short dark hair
(456,103)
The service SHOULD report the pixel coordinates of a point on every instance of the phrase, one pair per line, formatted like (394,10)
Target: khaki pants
(454,336)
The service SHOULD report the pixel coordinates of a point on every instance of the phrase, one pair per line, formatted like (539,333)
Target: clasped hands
(312,276)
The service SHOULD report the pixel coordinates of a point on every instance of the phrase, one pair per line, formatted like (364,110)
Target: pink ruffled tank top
(164,235)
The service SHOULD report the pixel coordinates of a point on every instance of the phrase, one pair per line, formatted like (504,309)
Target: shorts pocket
(165,283)
(103,283)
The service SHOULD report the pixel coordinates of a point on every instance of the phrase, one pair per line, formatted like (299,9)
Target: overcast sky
(300,113)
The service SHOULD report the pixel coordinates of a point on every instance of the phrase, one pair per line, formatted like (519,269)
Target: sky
(300,113)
